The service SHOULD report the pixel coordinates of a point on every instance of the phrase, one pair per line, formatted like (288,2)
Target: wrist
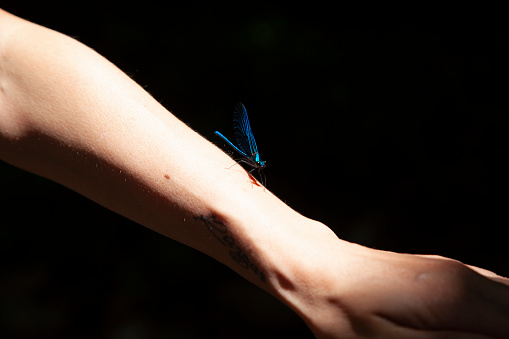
(306,272)
(294,256)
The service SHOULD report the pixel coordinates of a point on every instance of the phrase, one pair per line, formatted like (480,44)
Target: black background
(392,130)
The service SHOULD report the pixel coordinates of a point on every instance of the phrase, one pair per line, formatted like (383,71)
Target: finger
(479,270)
(484,307)
(493,310)
(490,275)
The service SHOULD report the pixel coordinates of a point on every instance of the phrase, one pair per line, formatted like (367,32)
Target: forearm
(71,116)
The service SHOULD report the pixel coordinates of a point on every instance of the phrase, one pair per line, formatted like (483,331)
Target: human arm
(69,115)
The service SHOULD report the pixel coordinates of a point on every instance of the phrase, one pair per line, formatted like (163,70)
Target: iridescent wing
(246,144)
(243,134)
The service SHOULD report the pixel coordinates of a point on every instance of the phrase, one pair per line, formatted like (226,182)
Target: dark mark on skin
(219,230)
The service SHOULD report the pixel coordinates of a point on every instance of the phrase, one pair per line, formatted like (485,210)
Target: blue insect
(246,144)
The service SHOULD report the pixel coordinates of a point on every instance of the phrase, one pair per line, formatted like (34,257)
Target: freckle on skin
(167,176)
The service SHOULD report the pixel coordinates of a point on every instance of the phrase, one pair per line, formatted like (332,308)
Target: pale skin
(68,114)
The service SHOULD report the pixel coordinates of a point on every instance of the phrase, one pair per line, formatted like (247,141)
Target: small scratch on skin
(253,180)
